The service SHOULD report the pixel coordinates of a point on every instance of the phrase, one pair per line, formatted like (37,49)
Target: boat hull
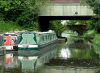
(11,48)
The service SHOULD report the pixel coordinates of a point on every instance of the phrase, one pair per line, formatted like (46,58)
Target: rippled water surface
(70,59)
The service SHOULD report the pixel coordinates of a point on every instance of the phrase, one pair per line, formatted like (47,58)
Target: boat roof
(50,31)
(7,34)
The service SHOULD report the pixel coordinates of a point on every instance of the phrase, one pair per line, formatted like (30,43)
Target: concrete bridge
(64,10)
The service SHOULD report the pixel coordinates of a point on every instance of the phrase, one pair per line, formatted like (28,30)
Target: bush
(97,26)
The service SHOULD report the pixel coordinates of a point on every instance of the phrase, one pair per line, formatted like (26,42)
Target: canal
(75,57)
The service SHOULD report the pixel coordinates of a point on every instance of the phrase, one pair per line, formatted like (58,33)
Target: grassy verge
(9,27)
(96,43)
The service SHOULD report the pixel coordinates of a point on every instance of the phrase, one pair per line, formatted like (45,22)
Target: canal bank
(67,69)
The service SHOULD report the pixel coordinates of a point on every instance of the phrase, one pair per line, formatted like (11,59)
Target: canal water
(72,58)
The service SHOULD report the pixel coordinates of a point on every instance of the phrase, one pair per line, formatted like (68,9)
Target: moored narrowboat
(1,40)
(36,39)
(9,41)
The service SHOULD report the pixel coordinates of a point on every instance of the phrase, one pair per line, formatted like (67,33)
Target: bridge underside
(44,20)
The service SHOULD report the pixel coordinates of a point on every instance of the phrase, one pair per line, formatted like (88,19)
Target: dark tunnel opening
(44,20)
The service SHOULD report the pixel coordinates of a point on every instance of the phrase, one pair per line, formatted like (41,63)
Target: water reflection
(27,63)
(76,58)
(65,53)
(78,50)
(13,62)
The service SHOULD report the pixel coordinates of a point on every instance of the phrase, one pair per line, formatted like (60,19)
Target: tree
(57,27)
(95,5)
(23,12)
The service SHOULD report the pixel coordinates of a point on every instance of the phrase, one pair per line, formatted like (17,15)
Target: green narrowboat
(36,39)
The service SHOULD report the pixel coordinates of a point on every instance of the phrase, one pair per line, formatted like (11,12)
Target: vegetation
(57,27)
(89,35)
(76,22)
(82,53)
(89,23)
(88,31)
(9,27)
(95,6)
(96,43)
(98,71)
(21,12)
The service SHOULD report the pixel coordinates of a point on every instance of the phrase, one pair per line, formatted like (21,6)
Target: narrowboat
(9,41)
(1,46)
(34,50)
(36,39)
(37,48)
(1,40)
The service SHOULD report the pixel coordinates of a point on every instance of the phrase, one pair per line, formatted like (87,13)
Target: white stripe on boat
(27,46)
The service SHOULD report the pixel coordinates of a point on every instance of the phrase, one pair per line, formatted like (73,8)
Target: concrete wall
(65,10)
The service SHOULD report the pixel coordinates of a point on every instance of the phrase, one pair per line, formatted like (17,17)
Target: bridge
(64,10)
(75,9)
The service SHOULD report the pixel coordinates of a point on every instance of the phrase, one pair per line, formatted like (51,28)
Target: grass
(96,43)
(8,27)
